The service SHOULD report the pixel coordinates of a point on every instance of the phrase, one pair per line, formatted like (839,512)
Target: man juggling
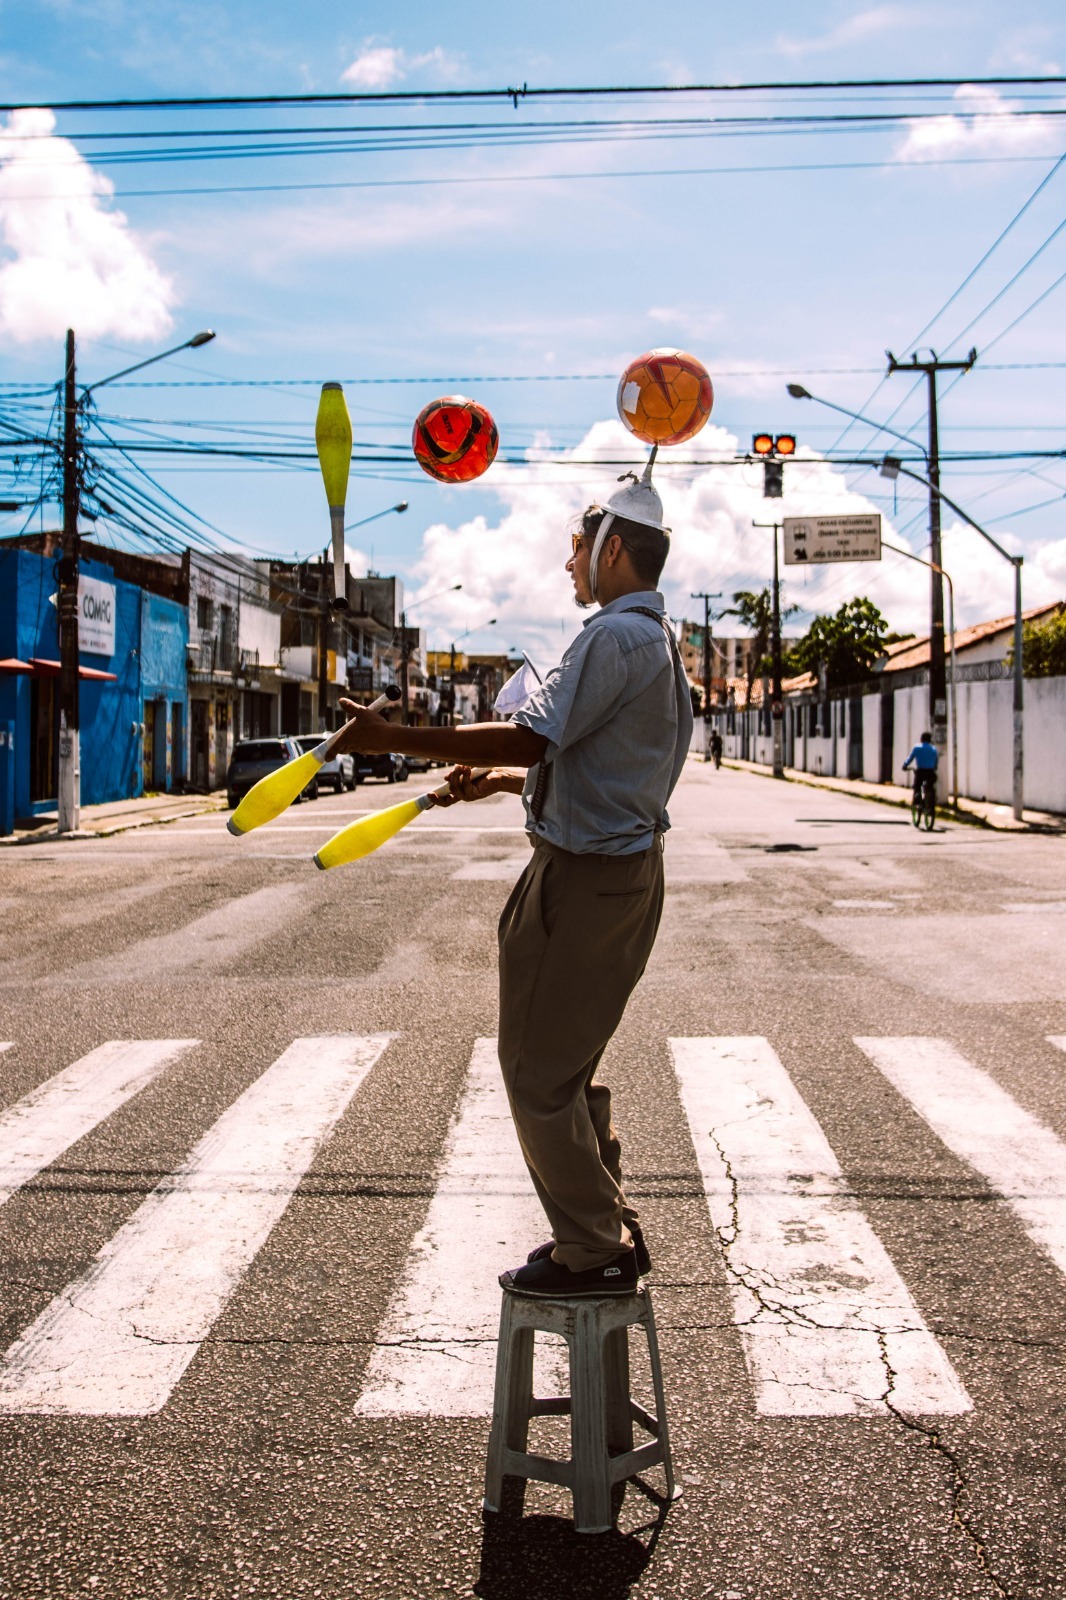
(595,754)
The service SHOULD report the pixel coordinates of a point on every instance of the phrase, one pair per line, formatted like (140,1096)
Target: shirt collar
(625,602)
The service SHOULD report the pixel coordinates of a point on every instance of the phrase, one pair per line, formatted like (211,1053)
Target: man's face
(578,568)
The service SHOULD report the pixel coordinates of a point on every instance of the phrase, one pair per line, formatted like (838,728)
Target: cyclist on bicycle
(925,759)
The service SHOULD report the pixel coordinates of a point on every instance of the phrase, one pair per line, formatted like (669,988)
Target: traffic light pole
(776,667)
(938,691)
(68,786)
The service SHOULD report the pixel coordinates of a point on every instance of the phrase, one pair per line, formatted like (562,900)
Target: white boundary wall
(985,739)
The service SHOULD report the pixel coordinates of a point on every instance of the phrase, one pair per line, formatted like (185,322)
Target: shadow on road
(542,1558)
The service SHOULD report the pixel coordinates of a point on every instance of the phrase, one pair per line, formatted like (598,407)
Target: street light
(798,392)
(402,506)
(68,797)
(203,337)
(891,467)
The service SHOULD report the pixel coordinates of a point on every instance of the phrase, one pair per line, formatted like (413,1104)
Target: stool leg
(660,1401)
(616,1384)
(511,1402)
(588,1425)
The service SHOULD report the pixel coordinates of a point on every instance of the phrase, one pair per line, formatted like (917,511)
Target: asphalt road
(245,1279)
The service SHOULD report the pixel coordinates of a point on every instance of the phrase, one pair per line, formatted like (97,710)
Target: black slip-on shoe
(546,1277)
(640,1250)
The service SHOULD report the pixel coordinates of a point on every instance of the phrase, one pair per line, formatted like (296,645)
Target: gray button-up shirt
(617,715)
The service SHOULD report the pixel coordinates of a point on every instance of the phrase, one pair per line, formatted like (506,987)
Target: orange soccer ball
(665,396)
(455,440)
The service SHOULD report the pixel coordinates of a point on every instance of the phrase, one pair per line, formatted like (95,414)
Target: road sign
(812,539)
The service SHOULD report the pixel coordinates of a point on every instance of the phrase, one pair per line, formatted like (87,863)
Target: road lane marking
(827,1325)
(210,941)
(1017,1155)
(117,1340)
(1058,1040)
(36,1130)
(435,1352)
(8,1046)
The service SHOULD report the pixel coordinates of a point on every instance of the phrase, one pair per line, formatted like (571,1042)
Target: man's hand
(465,786)
(367,732)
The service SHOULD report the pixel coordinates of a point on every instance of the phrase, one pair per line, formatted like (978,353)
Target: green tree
(849,643)
(754,609)
(1044,647)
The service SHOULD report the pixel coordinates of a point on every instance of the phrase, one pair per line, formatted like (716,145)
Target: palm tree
(754,609)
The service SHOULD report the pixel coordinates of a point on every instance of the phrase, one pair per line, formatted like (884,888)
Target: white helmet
(638,501)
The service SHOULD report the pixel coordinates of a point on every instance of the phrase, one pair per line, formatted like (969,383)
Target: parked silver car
(338,774)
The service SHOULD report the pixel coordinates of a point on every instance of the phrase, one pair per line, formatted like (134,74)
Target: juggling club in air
(367,834)
(333,441)
(273,794)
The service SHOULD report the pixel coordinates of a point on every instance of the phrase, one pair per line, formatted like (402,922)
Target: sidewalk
(116,816)
(981,812)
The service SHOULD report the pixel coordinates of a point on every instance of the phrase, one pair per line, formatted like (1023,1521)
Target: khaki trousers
(575,937)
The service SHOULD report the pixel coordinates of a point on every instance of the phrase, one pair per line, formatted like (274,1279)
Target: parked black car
(252,759)
(383,764)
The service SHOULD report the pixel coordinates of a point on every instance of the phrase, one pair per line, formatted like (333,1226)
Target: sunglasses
(578,543)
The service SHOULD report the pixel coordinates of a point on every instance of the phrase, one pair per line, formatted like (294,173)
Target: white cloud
(512,567)
(65,261)
(854,30)
(378,66)
(985,125)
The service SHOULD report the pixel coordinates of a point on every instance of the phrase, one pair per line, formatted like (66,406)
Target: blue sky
(554,262)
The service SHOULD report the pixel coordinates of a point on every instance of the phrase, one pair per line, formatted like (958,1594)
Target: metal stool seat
(601,1412)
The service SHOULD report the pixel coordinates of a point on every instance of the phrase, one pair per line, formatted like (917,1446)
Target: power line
(515,95)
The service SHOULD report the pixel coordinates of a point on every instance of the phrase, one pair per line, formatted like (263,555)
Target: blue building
(133,697)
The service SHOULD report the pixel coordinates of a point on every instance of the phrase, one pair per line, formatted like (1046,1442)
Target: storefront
(133,702)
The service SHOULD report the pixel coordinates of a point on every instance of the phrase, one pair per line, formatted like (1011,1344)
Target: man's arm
(478,744)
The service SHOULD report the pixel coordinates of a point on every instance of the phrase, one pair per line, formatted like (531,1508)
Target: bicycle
(923,801)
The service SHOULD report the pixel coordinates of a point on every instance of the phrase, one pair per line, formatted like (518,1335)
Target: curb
(53,836)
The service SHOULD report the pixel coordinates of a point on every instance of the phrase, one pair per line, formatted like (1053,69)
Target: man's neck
(605,597)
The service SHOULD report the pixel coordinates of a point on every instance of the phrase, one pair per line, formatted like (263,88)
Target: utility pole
(938,688)
(68,797)
(707,598)
(405,670)
(776,708)
(323,643)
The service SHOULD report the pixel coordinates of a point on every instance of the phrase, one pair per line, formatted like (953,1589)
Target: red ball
(454,439)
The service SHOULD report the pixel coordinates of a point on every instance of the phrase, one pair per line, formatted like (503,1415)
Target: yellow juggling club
(333,441)
(272,795)
(363,837)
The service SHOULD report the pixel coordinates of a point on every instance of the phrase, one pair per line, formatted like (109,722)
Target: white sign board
(854,538)
(96,617)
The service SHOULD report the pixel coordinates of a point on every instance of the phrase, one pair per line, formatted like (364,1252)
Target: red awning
(13,664)
(51,669)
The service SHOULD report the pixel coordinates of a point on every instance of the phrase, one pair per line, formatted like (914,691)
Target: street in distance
(851,538)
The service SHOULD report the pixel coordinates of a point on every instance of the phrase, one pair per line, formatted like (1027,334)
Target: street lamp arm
(895,465)
(203,337)
(798,392)
(402,506)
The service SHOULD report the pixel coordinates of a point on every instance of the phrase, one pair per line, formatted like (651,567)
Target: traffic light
(765,444)
(773,480)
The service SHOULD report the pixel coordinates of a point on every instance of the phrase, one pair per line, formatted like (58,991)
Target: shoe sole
(574,1294)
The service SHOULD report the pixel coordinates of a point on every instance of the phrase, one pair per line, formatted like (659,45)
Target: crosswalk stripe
(1058,1040)
(1022,1160)
(117,1340)
(39,1127)
(435,1352)
(7,1046)
(828,1327)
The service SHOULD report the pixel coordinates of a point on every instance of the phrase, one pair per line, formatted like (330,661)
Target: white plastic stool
(599,1406)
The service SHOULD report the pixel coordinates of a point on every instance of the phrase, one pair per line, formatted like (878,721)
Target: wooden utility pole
(68,797)
(777,710)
